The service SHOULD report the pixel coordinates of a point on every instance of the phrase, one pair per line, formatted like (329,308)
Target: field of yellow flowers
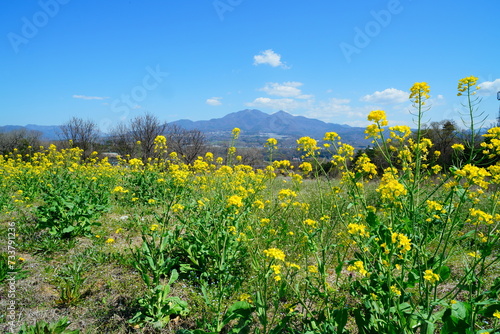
(159,246)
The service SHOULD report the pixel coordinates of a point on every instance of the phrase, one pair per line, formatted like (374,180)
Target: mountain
(49,132)
(256,127)
(254,122)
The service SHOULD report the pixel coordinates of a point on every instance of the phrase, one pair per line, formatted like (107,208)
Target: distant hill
(256,127)
(281,123)
(49,132)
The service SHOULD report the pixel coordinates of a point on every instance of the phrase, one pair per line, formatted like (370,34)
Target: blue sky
(112,60)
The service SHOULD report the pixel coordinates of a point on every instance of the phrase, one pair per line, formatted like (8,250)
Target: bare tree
(21,139)
(122,141)
(443,134)
(84,134)
(145,129)
(252,156)
(188,144)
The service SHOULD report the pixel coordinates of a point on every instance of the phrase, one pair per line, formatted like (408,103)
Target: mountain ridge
(251,122)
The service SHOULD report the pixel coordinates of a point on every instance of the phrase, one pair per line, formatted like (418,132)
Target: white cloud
(84,97)
(334,108)
(269,57)
(489,87)
(214,101)
(387,96)
(286,89)
(278,104)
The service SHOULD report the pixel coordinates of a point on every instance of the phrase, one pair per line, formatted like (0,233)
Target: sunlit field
(159,246)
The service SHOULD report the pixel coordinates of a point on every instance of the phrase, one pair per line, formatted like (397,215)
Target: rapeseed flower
(286,194)
(235,200)
(404,243)
(119,189)
(467,84)
(359,267)
(378,116)
(312,269)
(271,143)
(236,133)
(358,229)
(275,253)
(390,189)
(480,216)
(395,290)
(431,277)
(308,145)
(306,167)
(177,207)
(419,93)
(245,297)
(331,136)
(276,268)
(311,223)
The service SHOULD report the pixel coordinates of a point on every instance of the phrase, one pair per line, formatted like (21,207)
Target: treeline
(451,147)
(135,139)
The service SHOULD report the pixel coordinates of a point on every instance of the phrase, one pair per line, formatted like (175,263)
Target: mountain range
(252,122)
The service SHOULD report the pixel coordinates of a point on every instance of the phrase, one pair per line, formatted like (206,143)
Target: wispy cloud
(387,96)
(286,89)
(269,57)
(489,87)
(277,104)
(333,108)
(214,101)
(85,97)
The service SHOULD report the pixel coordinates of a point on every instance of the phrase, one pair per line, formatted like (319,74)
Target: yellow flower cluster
(284,164)
(120,189)
(271,143)
(458,147)
(236,133)
(275,253)
(235,200)
(312,269)
(480,217)
(466,84)
(404,243)
(308,145)
(491,145)
(390,189)
(364,165)
(379,117)
(284,194)
(400,132)
(435,206)
(306,167)
(310,222)
(359,267)
(358,229)
(135,162)
(395,290)
(277,271)
(160,143)
(331,136)
(419,92)
(431,277)
(476,175)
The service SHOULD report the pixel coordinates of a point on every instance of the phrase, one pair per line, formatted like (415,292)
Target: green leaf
(444,273)
(240,309)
